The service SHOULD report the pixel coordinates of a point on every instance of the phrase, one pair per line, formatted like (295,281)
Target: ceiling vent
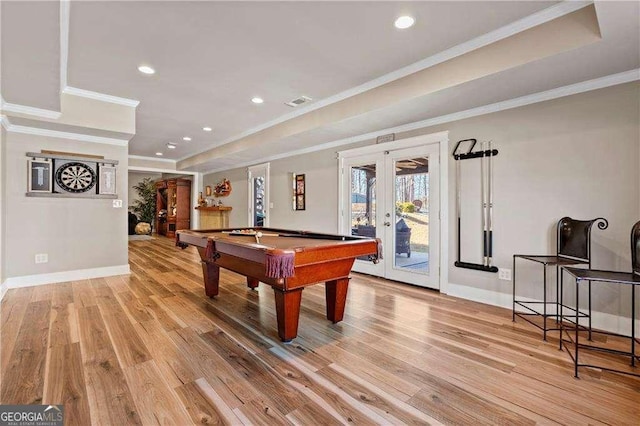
(298,101)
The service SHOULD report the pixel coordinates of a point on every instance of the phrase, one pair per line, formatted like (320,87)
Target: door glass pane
(363,201)
(258,201)
(411,230)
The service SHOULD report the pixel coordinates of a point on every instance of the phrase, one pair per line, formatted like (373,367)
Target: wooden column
(210,273)
(336,295)
(288,312)
(252,282)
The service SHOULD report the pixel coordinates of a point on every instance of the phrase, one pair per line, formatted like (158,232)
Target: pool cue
(483,205)
(490,206)
(458,195)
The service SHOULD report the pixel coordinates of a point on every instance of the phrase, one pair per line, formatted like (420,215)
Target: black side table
(539,308)
(570,323)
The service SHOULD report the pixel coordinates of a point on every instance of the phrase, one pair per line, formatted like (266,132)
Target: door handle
(387,224)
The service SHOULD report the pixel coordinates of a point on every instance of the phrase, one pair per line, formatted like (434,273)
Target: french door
(394,195)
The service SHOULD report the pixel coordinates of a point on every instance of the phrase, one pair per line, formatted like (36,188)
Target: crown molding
(161,170)
(560,92)
(31,111)
(141,157)
(65,10)
(547,95)
(12,128)
(100,96)
(533,20)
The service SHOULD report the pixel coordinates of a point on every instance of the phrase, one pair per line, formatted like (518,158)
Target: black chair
(366,231)
(403,238)
(133,221)
(568,324)
(573,248)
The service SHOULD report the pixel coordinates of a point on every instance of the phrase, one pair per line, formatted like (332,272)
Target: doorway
(394,195)
(258,179)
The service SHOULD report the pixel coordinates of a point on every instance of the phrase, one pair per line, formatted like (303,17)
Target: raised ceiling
(211,58)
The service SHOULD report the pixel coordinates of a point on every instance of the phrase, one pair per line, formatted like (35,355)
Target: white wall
(77,234)
(239,216)
(576,156)
(3,207)
(321,189)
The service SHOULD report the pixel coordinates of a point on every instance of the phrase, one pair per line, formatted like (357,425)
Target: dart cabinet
(69,175)
(173,206)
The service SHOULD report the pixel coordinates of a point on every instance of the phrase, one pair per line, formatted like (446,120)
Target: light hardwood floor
(151,348)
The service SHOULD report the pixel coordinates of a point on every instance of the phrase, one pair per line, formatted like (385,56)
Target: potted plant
(145,206)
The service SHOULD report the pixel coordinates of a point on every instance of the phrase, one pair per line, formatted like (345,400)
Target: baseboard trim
(600,320)
(481,295)
(60,277)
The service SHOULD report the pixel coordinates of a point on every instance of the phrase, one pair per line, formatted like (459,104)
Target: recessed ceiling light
(186,138)
(171,145)
(404,22)
(207,129)
(159,154)
(145,69)
(257,100)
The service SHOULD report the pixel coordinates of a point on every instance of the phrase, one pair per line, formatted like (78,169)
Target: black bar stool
(623,278)
(573,248)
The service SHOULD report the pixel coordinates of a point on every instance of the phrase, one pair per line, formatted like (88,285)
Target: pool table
(286,260)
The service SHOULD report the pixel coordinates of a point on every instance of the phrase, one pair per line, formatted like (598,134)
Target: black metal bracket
(464,151)
(477,154)
(455,150)
(470,153)
(476,266)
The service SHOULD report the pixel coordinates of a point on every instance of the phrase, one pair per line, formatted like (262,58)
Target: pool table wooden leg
(288,311)
(211,274)
(336,295)
(252,282)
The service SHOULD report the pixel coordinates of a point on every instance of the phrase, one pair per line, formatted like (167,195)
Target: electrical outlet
(117,204)
(504,274)
(42,258)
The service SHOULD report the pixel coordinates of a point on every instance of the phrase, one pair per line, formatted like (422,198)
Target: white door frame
(258,169)
(441,138)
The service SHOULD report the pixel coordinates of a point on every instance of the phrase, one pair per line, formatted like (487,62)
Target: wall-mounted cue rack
(65,175)
(464,151)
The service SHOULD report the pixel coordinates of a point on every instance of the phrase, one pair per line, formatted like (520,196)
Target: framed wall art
(39,175)
(107,179)
(299,192)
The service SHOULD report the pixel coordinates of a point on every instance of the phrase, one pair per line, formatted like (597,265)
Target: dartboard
(76,177)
